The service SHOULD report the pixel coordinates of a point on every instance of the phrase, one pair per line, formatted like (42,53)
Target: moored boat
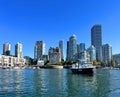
(82,67)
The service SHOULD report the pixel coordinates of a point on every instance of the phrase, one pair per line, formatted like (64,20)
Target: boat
(82,67)
(16,67)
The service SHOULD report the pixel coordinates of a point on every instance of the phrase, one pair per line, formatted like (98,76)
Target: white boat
(82,67)
(16,67)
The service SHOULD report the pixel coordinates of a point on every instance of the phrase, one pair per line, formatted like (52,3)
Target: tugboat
(82,67)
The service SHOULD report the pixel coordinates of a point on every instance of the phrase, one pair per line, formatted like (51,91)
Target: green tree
(113,63)
(94,62)
(46,62)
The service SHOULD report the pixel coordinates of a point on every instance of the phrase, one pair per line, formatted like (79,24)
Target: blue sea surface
(58,83)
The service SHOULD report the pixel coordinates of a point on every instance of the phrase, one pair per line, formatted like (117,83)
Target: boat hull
(82,71)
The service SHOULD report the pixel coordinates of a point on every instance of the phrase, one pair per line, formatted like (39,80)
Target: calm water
(58,83)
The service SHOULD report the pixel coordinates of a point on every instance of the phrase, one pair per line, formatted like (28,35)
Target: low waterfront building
(11,61)
(28,60)
(54,55)
(40,63)
(44,57)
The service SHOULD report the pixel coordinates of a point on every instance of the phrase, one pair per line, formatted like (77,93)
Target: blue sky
(27,21)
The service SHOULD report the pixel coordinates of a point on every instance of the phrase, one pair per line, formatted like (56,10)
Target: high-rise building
(96,40)
(39,50)
(6,49)
(72,47)
(78,48)
(92,52)
(54,55)
(61,48)
(18,50)
(67,52)
(84,56)
(82,47)
(107,53)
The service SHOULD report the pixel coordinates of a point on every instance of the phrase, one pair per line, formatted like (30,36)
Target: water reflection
(58,83)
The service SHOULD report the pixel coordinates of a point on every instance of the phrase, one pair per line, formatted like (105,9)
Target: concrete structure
(107,53)
(44,57)
(18,50)
(6,49)
(116,57)
(61,48)
(82,47)
(72,47)
(28,60)
(40,63)
(96,40)
(78,48)
(82,56)
(11,61)
(39,50)
(54,55)
(92,52)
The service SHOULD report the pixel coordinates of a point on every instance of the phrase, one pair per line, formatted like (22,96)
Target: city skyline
(27,22)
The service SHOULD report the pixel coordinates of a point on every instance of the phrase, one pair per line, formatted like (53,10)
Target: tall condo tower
(6,49)
(18,50)
(72,47)
(82,47)
(61,48)
(39,50)
(107,53)
(67,51)
(96,40)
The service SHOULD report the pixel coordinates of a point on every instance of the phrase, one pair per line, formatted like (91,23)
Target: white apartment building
(11,61)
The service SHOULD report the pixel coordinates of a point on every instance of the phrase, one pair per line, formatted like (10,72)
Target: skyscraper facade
(96,40)
(54,55)
(92,52)
(82,47)
(107,53)
(78,48)
(61,48)
(18,50)
(67,52)
(72,47)
(6,49)
(39,50)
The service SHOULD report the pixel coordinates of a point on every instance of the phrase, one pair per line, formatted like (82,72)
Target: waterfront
(58,83)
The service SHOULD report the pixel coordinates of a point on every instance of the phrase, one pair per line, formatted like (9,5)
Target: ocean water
(58,83)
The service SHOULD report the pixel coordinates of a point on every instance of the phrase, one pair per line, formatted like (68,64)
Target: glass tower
(61,48)
(72,47)
(107,53)
(96,40)
(92,52)
(18,50)
(6,49)
(39,50)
